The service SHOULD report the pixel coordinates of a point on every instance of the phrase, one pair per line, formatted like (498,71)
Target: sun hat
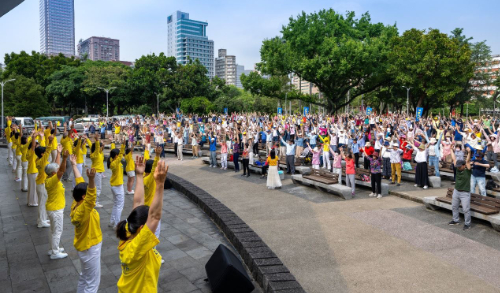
(421,146)
(395,145)
(479,147)
(368,144)
(433,140)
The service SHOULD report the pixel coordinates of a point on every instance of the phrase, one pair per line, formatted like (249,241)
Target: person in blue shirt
(103,131)
(355,150)
(213,149)
(312,139)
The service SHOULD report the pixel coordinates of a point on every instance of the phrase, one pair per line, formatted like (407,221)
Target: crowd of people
(385,145)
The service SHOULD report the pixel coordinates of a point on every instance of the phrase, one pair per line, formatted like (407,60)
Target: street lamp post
(107,100)
(3,84)
(407,99)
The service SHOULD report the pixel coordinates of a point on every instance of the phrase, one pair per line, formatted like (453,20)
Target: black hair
(80,190)
(273,154)
(92,148)
(127,151)
(39,151)
(135,220)
(29,145)
(112,155)
(75,143)
(149,166)
(24,140)
(52,131)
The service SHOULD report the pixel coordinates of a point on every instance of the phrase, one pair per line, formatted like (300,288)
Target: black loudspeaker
(226,273)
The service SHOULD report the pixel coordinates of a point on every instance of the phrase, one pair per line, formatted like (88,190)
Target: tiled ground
(188,239)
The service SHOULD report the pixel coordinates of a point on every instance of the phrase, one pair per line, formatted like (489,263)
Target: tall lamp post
(107,101)
(3,84)
(407,98)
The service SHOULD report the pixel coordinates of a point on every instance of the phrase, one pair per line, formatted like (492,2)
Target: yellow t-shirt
(67,145)
(8,131)
(31,157)
(130,162)
(78,151)
(86,221)
(272,162)
(140,263)
(117,129)
(117,169)
(41,163)
(55,194)
(19,146)
(150,184)
(54,144)
(24,150)
(326,143)
(97,158)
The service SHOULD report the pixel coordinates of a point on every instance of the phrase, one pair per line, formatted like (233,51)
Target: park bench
(359,173)
(335,188)
(481,207)
(359,181)
(323,176)
(430,169)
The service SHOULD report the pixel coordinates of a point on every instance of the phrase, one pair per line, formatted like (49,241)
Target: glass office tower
(57,27)
(187,37)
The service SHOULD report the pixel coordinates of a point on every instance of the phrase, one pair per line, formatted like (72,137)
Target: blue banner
(306,110)
(369,110)
(418,115)
(225,111)
(280,111)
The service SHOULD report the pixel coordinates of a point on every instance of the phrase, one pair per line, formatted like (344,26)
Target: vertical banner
(280,111)
(306,110)
(368,110)
(418,115)
(225,111)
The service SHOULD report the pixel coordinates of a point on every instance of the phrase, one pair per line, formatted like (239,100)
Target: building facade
(99,48)
(57,27)
(225,67)
(240,69)
(304,86)
(187,38)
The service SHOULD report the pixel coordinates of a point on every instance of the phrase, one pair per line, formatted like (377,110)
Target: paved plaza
(188,239)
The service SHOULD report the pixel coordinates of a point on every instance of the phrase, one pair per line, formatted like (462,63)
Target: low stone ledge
(265,266)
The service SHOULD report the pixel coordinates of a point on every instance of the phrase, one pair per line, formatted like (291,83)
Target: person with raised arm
(461,192)
(139,259)
(116,182)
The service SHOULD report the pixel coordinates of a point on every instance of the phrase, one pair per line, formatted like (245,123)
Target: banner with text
(420,111)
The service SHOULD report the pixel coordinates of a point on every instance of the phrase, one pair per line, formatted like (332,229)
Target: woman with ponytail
(32,170)
(97,158)
(140,260)
(42,161)
(116,182)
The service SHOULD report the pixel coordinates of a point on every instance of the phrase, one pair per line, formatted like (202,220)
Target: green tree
(24,97)
(198,105)
(338,54)
(65,87)
(434,65)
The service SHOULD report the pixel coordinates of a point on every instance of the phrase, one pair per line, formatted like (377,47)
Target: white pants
(9,153)
(179,151)
(90,277)
(338,171)
(316,167)
(14,160)
(19,167)
(251,158)
(158,228)
(56,228)
(69,169)
(24,178)
(79,167)
(53,155)
(326,160)
(223,160)
(118,200)
(42,200)
(98,185)
(32,197)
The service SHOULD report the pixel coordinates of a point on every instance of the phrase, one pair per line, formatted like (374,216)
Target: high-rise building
(57,27)
(225,67)
(99,48)
(240,69)
(187,38)
(304,86)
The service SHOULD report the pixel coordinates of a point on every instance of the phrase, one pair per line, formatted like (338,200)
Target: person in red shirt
(407,152)
(368,150)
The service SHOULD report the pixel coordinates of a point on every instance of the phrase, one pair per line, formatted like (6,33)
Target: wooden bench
(297,161)
(430,169)
(323,176)
(359,173)
(478,203)
(481,207)
(358,179)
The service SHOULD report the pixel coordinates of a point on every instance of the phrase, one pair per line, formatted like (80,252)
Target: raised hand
(161,172)
(59,148)
(65,154)
(140,165)
(72,159)
(91,173)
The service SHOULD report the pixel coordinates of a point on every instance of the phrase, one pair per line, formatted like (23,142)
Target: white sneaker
(162,261)
(61,249)
(44,225)
(59,255)
(379,196)
(425,187)
(371,194)
(130,192)
(210,166)
(98,205)
(415,185)
(18,179)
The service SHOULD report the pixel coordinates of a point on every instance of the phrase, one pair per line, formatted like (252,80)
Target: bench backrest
(477,199)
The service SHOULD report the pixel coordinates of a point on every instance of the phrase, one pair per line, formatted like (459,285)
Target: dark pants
(256,148)
(246,167)
(264,169)
(103,135)
(356,159)
(175,149)
(366,163)
(376,183)
(236,156)
(162,155)
(290,164)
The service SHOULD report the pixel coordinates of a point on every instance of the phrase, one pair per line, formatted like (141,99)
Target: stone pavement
(188,239)
(359,245)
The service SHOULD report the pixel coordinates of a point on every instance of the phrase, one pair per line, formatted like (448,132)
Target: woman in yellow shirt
(97,158)
(25,142)
(32,170)
(130,170)
(55,204)
(8,131)
(140,260)
(273,178)
(42,161)
(18,168)
(79,153)
(88,235)
(116,182)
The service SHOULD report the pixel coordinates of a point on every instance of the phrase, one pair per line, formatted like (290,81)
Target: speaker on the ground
(226,274)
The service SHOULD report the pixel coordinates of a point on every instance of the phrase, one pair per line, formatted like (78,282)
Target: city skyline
(239,27)
(57,27)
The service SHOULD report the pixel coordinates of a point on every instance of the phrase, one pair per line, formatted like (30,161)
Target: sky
(240,26)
